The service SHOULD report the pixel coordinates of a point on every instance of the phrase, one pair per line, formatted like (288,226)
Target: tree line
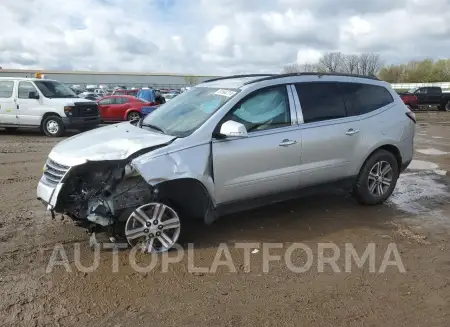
(371,64)
(337,62)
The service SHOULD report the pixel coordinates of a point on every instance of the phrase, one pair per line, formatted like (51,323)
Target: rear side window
(121,100)
(106,101)
(320,101)
(361,99)
(434,91)
(6,89)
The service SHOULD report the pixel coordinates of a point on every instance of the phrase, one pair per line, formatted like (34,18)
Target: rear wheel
(133,115)
(53,126)
(377,178)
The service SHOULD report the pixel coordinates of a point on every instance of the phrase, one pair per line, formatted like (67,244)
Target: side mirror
(233,129)
(33,95)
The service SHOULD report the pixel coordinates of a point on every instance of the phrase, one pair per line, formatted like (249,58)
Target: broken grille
(54,172)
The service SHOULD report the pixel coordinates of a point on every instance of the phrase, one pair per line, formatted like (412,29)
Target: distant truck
(44,103)
(427,96)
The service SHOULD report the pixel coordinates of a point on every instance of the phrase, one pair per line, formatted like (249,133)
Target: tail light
(411,115)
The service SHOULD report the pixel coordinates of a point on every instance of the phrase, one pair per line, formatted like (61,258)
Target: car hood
(113,142)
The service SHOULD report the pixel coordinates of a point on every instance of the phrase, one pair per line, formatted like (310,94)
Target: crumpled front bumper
(48,194)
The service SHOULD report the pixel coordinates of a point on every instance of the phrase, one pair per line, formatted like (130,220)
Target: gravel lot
(416,220)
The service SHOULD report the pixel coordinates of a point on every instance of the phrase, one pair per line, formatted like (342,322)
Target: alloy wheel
(380,178)
(154,226)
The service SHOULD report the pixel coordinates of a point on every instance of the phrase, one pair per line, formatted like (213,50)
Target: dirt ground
(416,220)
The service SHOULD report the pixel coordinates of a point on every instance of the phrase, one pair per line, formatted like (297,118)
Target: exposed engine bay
(101,192)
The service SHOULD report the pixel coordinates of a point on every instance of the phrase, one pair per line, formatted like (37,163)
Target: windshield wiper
(141,124)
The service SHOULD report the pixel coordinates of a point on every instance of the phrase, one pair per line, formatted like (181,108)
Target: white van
(44,103)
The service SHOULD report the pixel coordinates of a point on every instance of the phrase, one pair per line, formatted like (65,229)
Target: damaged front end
(101,192)
(110,196)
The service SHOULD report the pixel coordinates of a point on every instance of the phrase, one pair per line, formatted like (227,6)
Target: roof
(239,81)
(75,72)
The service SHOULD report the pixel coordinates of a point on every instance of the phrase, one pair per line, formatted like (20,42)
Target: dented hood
(113,142)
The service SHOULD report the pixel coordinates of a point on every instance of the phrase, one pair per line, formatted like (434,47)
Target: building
(111,79)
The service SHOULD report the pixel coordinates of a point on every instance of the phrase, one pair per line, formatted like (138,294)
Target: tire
(53,126)
(11,129)
(366,189)
(444,106)
(133,115)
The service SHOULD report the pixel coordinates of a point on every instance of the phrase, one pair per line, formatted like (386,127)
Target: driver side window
(264,109)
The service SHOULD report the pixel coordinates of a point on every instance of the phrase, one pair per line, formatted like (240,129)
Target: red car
(410,100)
(121,107)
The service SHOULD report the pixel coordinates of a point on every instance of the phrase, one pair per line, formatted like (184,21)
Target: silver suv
(229,144)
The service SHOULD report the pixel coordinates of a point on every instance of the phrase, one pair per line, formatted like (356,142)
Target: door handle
(287,142)
(352,131)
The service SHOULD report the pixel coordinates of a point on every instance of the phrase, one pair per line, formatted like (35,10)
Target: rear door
(8,108)
(434,95)
(330,135)
(119,109)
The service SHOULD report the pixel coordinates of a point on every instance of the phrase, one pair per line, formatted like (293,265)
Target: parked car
(151,95)
(230,144)
(44,103)
(410,100)
(169,96)
(430,96)
(121,107)
(89,96)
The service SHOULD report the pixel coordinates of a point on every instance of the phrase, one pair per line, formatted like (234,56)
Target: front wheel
(377,178)
(53,126)
(155,227)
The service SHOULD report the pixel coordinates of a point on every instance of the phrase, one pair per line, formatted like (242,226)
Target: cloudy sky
(215,36)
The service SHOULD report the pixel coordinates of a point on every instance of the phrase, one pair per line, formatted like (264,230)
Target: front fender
(192,163)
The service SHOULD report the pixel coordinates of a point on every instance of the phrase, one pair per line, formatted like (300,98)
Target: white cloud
(215,36)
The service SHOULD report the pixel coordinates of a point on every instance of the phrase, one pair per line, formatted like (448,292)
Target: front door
(28,112)
(8,109)
(268,160)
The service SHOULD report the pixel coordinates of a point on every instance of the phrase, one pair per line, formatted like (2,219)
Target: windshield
(413,90)
(53,89)
(188,111)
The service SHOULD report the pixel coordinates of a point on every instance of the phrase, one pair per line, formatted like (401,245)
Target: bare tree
(331,62)
(374,64)
(363,63)
(351,64)
(291,68)
(191,79)
(299,68)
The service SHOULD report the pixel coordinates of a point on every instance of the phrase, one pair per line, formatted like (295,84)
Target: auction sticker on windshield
(225,93)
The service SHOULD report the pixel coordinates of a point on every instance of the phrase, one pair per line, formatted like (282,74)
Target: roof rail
(238,76)
(309,74)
